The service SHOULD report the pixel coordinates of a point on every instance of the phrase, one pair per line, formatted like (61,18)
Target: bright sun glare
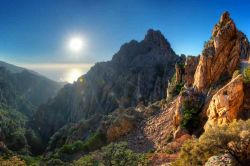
(76,44)
(73,75)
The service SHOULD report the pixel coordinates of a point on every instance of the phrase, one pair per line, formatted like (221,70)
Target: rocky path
(152,134)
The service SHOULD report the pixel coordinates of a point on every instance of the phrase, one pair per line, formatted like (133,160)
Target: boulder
(221,160)
(225,105)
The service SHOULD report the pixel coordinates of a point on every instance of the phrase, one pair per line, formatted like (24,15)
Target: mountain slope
(24,90)
(21,91)
(11,68)
(137,73)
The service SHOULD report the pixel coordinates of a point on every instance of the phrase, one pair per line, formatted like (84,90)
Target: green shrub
(233,138)
(55,162)
(17,141)
(12,124)
(120,155)
(92,143)
(35,142)
(190,112)
(87,160)
(95,141)
(178,88)
(246,74)
(236,73)
(181,65)
(32,161)
(114,154)
(174,88)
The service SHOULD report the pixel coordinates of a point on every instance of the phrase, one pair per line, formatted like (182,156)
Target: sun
(76,44)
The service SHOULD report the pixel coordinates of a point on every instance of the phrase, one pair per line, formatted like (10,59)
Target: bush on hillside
(114,154)
(246,74)
(236,73)
(12,125)
(35,142)
(173,88)
(31,161)
(92,143)
(233,138)
(12,161)
(86,160)
(191,118)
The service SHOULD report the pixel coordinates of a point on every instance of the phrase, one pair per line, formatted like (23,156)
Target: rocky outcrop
(188,102)
(138,72)
(222,160)
(190,68)
(226,104)
(179,71)
(176,83)
(222,53)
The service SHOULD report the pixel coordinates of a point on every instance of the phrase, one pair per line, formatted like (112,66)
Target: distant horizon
(36,33)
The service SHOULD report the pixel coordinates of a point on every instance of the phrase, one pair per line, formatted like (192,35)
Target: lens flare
(73,74)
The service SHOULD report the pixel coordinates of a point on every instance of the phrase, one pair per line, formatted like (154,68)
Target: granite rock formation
(222,53)
(226,104)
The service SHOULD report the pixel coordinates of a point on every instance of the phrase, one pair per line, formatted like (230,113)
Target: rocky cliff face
(211,99)
(226,104)
(190,68)
(188,106)
(137,73)
(222,53)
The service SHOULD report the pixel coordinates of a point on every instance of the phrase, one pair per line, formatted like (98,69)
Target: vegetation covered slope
(21,91)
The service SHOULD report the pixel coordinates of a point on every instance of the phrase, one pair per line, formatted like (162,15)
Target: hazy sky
(35,33)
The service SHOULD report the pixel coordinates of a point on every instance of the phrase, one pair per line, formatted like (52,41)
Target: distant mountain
(11,68)
(21,92)
(24,89)
(138,72)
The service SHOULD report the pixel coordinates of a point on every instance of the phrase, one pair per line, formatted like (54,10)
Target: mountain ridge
(138,72)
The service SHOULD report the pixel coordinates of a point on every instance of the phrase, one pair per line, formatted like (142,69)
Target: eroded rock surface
(188,102)
(221,160)
(222,53)
(226,104)
(190,68)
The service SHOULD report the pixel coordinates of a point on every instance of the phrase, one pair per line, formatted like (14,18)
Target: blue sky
(37,31)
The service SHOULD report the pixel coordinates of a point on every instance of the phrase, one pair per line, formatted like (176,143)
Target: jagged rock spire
(222,53)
